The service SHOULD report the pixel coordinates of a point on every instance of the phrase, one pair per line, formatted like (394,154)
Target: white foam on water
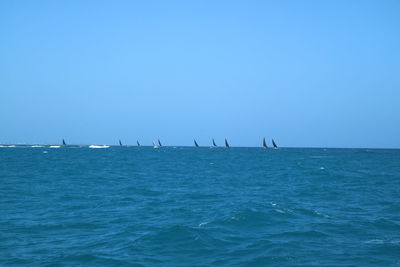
(54,146)
(11,146)
(94,146)
(321,214)
(202,224)
(36,146)
(45,152)
(280,211)
(322,168)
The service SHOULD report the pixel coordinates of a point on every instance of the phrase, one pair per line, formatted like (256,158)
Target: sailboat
(159,143)
(154,145)
(63,142)
(226,143)
(137,142)
(214,144)
(120,143)
(274,144)
(195,143)
(265,143)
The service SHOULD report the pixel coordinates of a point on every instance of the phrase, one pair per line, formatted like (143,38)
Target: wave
(290,235)
(383,241)
(255,218)
(90,259)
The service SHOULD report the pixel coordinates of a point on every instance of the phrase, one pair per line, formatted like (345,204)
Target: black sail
(265,143)
(63,142)
(214,144)
(120,143)
(159,143)
(274,144)
(195,143)
(226,143)
(137,142)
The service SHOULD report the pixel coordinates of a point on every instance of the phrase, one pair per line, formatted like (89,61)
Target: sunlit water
(199,207)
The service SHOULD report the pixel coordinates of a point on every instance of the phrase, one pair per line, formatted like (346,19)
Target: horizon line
(222,146)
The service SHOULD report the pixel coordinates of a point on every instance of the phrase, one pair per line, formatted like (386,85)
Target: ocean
(183,206)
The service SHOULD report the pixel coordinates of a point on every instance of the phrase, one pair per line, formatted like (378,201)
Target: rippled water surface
(199,207)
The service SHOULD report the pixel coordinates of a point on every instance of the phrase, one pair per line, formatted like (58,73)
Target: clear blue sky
(307,73)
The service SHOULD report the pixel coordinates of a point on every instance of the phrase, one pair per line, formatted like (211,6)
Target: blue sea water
(181,206)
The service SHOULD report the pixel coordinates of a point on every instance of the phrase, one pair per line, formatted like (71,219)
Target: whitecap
(54,146)
(202,224)
(36,146)
(322,215)
(322,168)
(45,152)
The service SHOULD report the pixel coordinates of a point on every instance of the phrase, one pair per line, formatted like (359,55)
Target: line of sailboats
(158,144)
(273,144)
